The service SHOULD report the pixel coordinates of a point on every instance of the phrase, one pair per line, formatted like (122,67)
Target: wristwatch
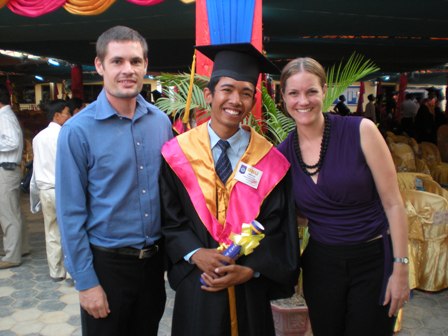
(404,260)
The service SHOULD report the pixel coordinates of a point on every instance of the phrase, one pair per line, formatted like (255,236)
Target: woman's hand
(397,291)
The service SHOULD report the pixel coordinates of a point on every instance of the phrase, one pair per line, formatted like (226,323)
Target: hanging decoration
(35,8)
(87,7)
(359,106)
(230,21)
(3,3)
(77,86)
(145,2)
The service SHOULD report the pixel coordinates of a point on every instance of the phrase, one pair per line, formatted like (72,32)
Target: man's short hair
(74,103)
(56,106)
(119,33)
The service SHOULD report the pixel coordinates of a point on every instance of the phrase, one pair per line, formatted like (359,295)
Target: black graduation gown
(197,312)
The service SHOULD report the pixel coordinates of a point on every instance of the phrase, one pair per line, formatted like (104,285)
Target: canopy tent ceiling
(399,36)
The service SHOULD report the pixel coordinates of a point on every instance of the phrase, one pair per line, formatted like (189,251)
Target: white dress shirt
(11,137)
(44,162)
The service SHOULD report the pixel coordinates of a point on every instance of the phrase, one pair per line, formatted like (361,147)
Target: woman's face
(303,97)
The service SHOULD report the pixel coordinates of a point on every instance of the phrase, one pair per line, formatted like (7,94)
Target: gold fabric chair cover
(406,181)
(431,155)
(403,139)
(428,239)
(404,158)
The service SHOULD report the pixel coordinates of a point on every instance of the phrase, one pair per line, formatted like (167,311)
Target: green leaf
(341,76)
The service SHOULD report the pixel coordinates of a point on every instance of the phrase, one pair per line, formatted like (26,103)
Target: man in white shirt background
(15,238)
(42,193)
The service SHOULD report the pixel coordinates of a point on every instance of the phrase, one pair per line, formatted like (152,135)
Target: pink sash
(244,201)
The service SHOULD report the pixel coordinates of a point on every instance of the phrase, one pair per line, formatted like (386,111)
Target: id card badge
(248,175)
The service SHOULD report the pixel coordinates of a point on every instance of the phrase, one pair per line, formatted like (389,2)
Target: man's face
(63,116)
(122,69)
(231,102)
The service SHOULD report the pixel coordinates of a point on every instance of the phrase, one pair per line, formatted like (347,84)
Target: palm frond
(175,92)
(278,124)
(341,76)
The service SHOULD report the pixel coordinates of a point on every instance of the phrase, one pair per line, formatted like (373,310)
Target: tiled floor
(31,304)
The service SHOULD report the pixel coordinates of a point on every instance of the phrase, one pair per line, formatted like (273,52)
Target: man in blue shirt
(108,205)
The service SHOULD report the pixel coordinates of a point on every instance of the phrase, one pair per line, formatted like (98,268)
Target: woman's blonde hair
(302,64)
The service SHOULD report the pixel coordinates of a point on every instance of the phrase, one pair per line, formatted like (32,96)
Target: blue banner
(230,21)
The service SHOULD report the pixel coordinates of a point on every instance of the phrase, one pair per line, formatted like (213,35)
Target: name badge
(248,175)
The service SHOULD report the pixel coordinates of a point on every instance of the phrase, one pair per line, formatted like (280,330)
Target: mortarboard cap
(240,61)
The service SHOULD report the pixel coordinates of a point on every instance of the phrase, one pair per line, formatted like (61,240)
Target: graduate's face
(231,102)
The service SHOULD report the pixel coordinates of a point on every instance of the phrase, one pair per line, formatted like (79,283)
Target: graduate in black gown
(201,211)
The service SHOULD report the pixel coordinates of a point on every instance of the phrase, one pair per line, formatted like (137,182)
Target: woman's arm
(380,161)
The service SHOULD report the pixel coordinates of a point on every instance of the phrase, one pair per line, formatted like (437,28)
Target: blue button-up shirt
(107,193)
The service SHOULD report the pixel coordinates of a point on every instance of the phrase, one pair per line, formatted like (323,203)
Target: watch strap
(403,260)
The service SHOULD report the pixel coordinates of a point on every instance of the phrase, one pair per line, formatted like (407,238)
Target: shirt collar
(53,124)
(234,141)
(105,109)
(4,108)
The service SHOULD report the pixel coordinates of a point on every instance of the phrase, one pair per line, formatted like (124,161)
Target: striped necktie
(223,166)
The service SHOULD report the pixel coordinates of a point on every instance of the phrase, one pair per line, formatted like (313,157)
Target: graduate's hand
(94,301)
(229,275)
(207,260)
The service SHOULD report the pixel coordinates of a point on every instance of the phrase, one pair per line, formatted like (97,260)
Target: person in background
(425,125)
(370,108)
(75,105)
(15,237)
(408,111)
(355,266)
(215,178)
(340,108)
(42,194)
(107,195)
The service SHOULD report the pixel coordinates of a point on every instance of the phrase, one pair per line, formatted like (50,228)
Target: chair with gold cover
(442,142)
(431,155)
(428,239)
(391,137)
(408,181)
(404,158)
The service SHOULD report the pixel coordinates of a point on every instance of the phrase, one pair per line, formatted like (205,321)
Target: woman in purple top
(355,265)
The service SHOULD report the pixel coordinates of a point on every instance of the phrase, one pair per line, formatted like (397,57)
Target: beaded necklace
(323,149)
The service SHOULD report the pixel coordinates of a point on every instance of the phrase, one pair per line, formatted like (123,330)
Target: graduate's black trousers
(135,290)
(342,287)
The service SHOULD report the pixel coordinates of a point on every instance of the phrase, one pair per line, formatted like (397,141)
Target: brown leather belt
(144,253)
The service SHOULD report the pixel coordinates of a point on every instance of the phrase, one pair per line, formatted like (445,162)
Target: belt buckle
(142,253)
(153,249)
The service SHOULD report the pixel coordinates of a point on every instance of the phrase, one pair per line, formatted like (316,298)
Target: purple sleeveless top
(343,207)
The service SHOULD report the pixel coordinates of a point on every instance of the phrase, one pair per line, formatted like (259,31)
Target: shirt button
(144,191)
(138,143)
(146,215)
(141,167)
